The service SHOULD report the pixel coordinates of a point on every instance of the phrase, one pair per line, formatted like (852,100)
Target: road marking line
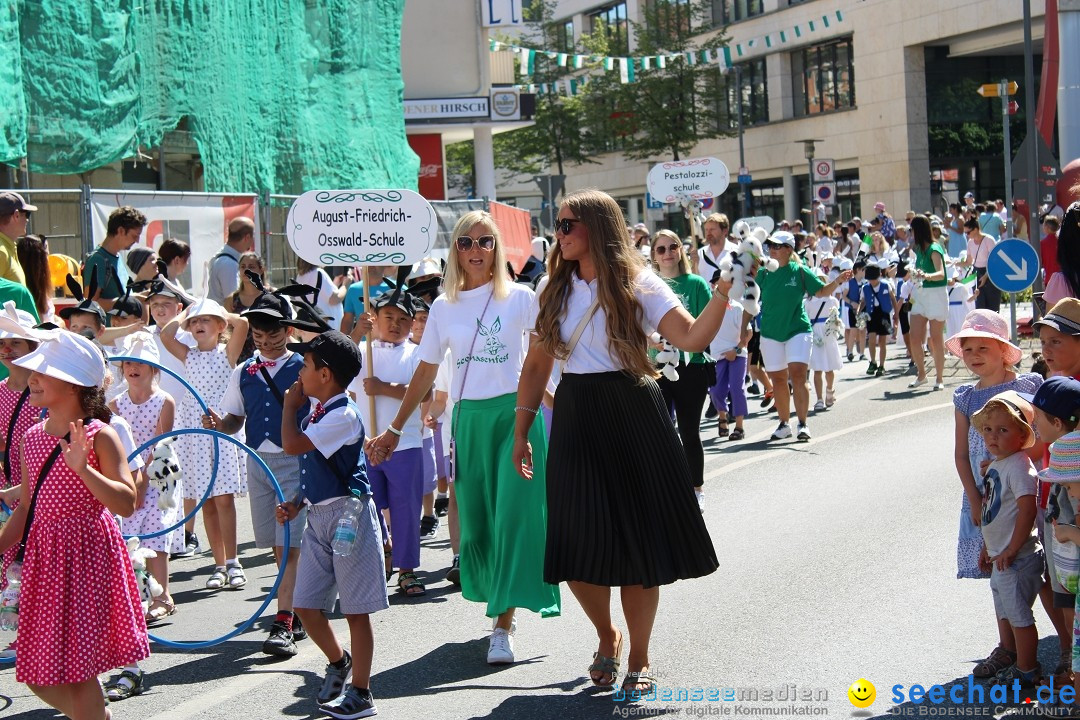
(739,464)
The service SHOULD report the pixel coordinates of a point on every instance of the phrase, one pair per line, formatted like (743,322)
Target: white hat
(66,356)
(427,266)
(846,264)
(203,308)
(17,324)
(539,248)
(782,237)
(882,263)
(142,345)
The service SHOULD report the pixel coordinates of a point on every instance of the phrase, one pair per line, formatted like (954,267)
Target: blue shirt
(354,297)
(991,224)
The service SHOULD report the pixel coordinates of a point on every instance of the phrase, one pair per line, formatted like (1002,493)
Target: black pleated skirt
(621,505)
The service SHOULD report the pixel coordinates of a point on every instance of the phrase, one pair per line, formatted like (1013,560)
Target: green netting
(280,95)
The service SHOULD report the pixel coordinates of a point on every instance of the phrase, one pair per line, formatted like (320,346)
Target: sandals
(830,398)
(409,584)
(642,677)
(159,610)
(722,430)
(128,684)
(217,580)
(388,558)
(737,434)
(609,666)
(998,660)
(237,578)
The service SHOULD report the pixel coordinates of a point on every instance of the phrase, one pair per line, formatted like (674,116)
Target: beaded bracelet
(527,409)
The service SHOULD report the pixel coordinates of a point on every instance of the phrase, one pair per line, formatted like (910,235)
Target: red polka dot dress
(28,415)
(80,613)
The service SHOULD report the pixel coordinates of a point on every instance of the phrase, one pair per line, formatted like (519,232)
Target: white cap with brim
(782,237)
(66,356)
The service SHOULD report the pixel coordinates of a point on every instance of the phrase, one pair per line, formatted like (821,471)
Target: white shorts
(932,303)
(778,355)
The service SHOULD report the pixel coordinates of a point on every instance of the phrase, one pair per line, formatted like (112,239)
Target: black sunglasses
(465,243)
(663,249)
(565,225)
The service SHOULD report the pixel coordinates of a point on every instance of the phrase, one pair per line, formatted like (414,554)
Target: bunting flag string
(724,56)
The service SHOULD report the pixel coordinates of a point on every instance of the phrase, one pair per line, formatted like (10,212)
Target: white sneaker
(700,500)
(819,406)
(781,432)
(804,433)
(500,648)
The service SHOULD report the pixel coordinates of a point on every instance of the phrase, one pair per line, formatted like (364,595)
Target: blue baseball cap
(1059,397)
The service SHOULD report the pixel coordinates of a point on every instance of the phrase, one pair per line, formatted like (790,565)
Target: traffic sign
(824,170)
(1012,107)
(652,203)
(1012,265)
(744,179)
(992,90)
(825,192)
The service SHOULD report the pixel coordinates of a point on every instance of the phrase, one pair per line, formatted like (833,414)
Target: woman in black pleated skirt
(621,505)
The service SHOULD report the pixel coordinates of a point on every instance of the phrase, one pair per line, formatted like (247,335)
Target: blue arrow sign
(1012,265)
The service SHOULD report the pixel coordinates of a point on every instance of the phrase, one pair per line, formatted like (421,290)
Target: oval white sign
(361,227)
(696,179)
(761,221)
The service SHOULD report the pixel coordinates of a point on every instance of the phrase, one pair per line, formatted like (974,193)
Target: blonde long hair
(454,281)
(684,262)
(617,265)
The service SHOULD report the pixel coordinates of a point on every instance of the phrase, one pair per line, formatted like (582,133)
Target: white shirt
(499,340)
(444,380)
(127,441)
(232,401)
(592,354)
(167,382)
(706,270)
(728,336)
(311,277)
(824,245)
(336,429)
(395,364)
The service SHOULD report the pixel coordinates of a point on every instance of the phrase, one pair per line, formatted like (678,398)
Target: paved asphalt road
(837,563)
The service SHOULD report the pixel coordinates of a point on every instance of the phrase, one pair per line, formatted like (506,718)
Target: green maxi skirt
(503,516)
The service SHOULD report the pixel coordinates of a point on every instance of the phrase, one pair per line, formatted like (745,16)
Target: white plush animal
(667,358)
(164,473)
(149,587)
(834,325)
(735,267)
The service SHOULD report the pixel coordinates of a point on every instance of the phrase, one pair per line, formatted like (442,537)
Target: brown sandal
(998,660)
(159,610)
(641,677)
(609,666)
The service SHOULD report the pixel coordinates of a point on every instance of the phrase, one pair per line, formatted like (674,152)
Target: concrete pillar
(484,162)
(918,141)
(1068,81)
(791,196)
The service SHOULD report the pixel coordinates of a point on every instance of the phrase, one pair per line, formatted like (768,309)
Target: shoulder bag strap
(45,468)
(578,331)
(820,310)
(11,429)
(472,346)
(273,388)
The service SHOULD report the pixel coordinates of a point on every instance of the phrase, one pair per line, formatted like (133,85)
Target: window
(564,37)
(725,12)
(668,19)
(617,29)
(823,78)
(753,92)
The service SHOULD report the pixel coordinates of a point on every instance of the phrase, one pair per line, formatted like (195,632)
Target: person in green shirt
(696,371)
(23,301)
(786,335)
(929,302)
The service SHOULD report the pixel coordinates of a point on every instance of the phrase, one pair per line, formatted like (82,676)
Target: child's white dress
(825,354)
(208,371)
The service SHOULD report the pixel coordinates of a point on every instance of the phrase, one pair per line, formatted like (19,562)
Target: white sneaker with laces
(781,432)
(804,433)
(500,648)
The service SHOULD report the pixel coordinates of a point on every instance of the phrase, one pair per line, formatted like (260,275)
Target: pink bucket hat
(879,206)
(985,324)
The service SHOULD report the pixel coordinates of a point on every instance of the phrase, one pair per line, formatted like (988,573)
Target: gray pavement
(837,563)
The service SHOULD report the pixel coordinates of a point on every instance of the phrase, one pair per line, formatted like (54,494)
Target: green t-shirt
(694,294)
(925,261)
(783,314)
(108,274)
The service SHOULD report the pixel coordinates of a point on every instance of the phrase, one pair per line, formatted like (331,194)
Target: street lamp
(808,153)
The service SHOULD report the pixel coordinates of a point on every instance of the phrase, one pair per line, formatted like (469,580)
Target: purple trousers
(729,381)
(398,484)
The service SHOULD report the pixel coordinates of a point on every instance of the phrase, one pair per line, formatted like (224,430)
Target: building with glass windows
(887,91)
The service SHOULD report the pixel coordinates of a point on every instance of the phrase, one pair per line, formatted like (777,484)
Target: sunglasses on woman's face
(565,225)
(465,243)
(661,249)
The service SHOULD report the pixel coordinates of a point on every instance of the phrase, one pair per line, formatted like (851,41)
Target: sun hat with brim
(1063,317)
(985,324)
(781,237)
(1064,465)
(66,356)
(142,345)
(17,324)
(1015,405)
(427,266)
(206,307)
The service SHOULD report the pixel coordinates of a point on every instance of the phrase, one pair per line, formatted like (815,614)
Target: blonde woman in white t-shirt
(622,509)
(485,320)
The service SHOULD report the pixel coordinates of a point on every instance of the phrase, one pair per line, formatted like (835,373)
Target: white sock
(232,563)
(442,495)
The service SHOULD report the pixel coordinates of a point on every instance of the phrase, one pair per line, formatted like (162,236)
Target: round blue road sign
(1012,265)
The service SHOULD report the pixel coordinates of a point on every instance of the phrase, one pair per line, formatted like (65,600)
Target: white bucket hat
(66,356)
(17,324)
(142,346)
(427,266)
(203,308)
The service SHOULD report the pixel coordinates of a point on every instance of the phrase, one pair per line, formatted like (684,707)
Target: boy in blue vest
(254,401)
(334,486)
(877,302)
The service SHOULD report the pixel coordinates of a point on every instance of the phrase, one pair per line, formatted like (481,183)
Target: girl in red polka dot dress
(80,613)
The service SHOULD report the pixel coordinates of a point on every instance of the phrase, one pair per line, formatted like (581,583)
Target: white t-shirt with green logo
(501,340)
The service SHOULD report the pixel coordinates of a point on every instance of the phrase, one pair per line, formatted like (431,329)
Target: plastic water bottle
(5,513)
(345,532)
(9,599)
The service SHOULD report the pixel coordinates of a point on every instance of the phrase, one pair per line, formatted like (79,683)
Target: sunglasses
(485,242)
(661,249)
(565,225)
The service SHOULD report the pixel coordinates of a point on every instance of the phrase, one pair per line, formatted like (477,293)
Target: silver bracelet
(393,430)
(535,411)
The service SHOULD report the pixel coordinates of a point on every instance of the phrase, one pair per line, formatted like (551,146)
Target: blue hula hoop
(195,645)
(214,467)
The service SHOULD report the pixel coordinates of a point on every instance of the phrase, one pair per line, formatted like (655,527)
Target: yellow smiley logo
(862,693)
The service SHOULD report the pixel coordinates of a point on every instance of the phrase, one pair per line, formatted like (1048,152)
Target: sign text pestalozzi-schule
(685,175)
(355,239)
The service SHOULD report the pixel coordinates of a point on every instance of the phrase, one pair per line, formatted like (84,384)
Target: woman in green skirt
(483,320)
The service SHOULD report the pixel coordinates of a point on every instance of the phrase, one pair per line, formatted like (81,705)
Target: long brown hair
(617,265)
(34,259)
